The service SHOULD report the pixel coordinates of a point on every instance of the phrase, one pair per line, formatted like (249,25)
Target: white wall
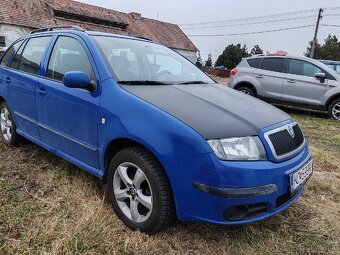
(12,33)
(191,55)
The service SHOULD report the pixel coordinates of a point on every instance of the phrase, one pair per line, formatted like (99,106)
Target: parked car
(167,139)
(289,80)
(332,64)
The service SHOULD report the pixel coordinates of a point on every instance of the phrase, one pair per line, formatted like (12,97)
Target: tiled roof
(42,13)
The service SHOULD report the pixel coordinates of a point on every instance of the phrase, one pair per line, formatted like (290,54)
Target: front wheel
(139,191)
(334,110)
(7,126)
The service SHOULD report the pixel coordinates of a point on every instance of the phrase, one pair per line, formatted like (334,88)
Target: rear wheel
(247,90)
(7,126)
(334,110)
(139,191)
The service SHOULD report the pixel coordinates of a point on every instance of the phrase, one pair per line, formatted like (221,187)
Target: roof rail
(46,29)
(144,38)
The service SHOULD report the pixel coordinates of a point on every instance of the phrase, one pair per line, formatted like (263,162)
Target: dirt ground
(48,206)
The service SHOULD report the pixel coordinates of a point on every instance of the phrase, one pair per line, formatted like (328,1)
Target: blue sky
(194,11)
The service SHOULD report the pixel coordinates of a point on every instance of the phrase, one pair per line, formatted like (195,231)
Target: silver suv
(289,80)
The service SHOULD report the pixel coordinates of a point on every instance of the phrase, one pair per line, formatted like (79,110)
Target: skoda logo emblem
(291,131)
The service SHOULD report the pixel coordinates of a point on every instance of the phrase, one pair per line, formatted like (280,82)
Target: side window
(31,56)
(17,56)
(274,64)
(299,67)
(8,55)
(254,62)
(68,55)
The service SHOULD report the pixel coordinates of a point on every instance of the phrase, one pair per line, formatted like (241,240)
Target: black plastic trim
(237,193)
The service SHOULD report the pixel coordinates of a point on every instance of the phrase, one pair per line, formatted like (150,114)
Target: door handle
(259,76)
(8,79)
(41,91)
(291,81)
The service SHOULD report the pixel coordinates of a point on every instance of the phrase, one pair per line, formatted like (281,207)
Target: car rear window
(273,64)
(255,62)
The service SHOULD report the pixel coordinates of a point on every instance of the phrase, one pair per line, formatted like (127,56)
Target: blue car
(168,140)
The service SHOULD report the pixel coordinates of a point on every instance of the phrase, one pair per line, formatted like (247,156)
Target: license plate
(301,176)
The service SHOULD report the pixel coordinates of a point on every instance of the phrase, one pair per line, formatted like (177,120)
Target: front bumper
(207,189)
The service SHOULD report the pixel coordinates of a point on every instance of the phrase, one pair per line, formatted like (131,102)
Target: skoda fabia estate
(168,140)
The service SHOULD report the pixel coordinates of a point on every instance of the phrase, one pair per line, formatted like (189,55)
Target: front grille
(283,143)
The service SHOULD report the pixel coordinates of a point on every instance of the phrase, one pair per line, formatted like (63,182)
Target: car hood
(213,110)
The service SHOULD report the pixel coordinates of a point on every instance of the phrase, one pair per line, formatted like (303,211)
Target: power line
(251,18)
(326,25)
(270,17)
(251,23)
(251,33)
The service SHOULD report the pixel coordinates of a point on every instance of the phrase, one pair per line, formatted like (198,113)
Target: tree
(256,50)
(329,50)
(208,63)
(232,56)
(199,63)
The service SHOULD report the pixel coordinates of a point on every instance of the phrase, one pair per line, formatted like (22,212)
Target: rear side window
(274,64)
(8,55)
(299,67)
(68,55)
(255,63)
(30,58)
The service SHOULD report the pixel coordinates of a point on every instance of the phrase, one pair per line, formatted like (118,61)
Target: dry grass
(221,80)
(48,206)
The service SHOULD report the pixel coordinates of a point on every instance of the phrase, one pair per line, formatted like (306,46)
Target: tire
(145,203)
(8,126)
(334,110)
(247,90)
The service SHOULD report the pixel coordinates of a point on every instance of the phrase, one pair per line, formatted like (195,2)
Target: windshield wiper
(192,82)
(144,82)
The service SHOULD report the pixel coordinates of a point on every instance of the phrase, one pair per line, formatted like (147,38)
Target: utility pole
(315,39)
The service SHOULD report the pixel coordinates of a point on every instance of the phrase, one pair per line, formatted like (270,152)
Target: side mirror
(78,80)
(321,77)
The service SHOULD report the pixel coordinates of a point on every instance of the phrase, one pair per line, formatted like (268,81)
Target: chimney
(136,15)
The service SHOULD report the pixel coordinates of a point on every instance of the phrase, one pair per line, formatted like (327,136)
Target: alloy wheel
(132,192)
(336,111)
(6,124)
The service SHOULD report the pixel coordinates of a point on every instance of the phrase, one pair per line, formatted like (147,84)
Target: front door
(68,117)
(300,84)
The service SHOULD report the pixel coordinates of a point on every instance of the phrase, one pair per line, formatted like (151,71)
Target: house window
(2,41)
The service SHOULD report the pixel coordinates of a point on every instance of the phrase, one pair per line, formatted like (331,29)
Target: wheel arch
(2,100)
(331,99)
(119,144)
(246,84)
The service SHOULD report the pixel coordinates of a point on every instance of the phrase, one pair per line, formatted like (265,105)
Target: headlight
(241,149)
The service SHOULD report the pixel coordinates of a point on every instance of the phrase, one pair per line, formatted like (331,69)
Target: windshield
(137,62)
(336,67)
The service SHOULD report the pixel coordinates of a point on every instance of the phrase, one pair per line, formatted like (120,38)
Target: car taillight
(233,72)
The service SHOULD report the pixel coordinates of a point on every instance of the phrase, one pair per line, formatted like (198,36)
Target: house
(19,17)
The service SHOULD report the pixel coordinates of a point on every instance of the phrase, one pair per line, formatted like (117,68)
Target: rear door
(68,117)
(22,82)
(301,86)
(271,77)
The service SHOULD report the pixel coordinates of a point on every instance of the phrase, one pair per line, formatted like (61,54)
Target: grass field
(48,206)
